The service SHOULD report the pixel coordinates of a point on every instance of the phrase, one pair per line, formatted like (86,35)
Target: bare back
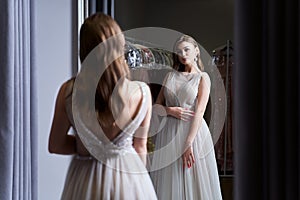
(125,103)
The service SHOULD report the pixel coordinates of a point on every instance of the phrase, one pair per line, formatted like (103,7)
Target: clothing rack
(140,54)
(223,58)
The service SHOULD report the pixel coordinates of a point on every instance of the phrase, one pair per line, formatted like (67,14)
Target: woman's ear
(197,50)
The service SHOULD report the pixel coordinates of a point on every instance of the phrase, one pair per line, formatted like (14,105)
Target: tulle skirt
(172,181)
(89,179)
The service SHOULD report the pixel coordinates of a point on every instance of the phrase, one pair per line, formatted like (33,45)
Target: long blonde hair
(189,39)
(96,29)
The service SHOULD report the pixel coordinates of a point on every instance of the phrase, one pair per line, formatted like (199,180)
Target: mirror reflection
(211,25)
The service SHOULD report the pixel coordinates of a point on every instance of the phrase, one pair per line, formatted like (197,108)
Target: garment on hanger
(223,59)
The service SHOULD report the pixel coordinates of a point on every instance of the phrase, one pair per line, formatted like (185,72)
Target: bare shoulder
(204,82)
(205,77)
(138,90)
(64,91)
(67,86)
(138,85)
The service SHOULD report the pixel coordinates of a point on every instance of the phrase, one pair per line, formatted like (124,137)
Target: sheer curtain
(18,128)
(266,96)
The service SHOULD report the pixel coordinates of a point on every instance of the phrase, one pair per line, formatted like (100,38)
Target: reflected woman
(184,165)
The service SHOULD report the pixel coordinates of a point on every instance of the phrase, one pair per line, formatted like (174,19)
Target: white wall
(54,58)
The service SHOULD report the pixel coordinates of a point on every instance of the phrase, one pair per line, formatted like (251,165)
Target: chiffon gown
(119,175)
(172,181)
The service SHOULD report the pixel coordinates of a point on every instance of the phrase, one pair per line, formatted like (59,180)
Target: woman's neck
(190,68)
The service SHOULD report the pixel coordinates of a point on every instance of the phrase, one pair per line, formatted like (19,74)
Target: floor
(227,187)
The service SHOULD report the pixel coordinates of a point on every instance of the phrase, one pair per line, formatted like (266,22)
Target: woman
(183,165)
(109,177)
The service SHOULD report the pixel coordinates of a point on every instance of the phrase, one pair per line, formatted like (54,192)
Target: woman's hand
(188,157)
(181,113)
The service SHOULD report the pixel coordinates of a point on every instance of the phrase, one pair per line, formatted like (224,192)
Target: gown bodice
(105,169)
(104,147)
(181,89)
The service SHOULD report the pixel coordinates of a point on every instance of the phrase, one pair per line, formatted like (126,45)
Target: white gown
(171,181)
(119,175)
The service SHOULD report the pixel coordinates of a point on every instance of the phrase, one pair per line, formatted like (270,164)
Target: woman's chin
(184,62)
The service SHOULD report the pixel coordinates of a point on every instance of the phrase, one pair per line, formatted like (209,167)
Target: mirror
(210,22)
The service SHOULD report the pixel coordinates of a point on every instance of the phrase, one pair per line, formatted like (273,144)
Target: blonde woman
(184,165)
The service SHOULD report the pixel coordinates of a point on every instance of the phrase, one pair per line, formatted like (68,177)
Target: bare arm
(59,140)
(140,136)
(202,99)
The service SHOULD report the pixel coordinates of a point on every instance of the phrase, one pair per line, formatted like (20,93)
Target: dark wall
(210,22)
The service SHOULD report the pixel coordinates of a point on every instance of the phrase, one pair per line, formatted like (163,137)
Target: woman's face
(187,53)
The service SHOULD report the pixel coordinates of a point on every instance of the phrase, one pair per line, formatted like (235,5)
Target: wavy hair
(176,63)
(97,29)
